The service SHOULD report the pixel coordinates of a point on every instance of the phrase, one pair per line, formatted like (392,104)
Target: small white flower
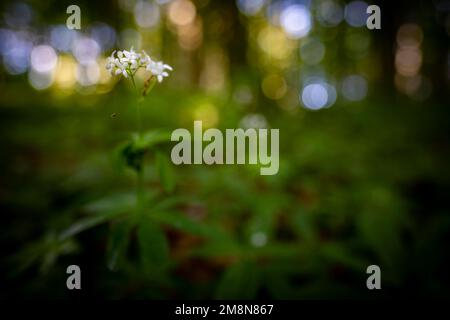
(113,65)
(158,69)
(128,62)
(145,59)
(131,59)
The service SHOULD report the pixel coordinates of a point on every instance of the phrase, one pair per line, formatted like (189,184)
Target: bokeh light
(146,14)
(190,37)
(254,120)
(65,72)
(296,21)
(213,77)
(127,5)
(409,35)
(243,95)
(274,86)
(312,51)
(250,7)
(18,15)
(318,95)
(258,239)
(104,35)
(357,44)
(43,58)
(354,87)
(130,38)
(86,50)
(274,43)
(182,12)
(206,112)
(15,49)
(62,38)
(330,13)
(355,13)
(88,74)
(40,80)
(408,61)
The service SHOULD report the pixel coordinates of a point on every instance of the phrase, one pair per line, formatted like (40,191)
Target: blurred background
(364,126)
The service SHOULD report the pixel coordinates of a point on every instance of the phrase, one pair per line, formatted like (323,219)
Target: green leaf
(112,203)
(153,244)
(43,252)
(102,210)
(117,243)
(169,203)
(182,222)
(150,139)
(132,152)
(165,171)
(87,223)
(240,281)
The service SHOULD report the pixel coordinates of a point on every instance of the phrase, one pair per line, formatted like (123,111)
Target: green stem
(140,191)
(138,108)
(140,172)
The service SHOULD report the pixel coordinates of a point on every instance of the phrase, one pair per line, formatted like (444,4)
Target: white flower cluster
(127,63)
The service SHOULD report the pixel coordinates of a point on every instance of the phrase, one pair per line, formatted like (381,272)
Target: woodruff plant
(145,211)
(127,64)
(138,216)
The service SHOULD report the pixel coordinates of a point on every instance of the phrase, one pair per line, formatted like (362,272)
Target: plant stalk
(140,171)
